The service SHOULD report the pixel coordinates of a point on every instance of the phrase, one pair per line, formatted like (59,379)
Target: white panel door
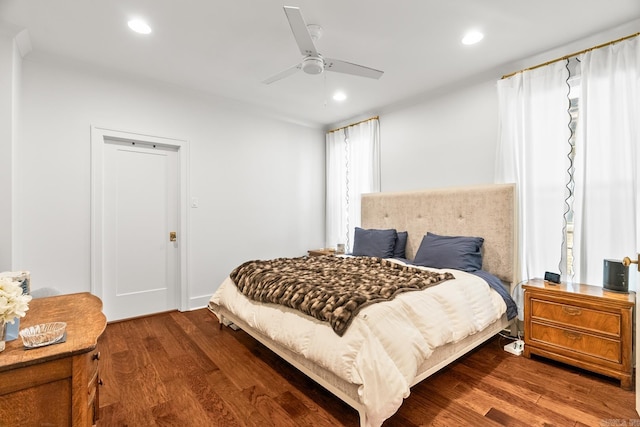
(140,209)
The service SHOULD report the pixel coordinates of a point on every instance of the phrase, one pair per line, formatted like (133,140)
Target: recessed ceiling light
(339,96)
(472,37)
(139,26)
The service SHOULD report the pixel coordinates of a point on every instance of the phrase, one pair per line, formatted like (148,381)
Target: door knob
(172,236)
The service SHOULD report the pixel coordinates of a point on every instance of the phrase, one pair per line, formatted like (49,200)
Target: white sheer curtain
(532,152)
(352,169)
(607,156)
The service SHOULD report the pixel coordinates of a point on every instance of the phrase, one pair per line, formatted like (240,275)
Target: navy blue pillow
(377,243)
(458,252)
(399,251)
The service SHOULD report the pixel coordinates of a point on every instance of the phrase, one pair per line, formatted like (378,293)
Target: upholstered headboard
(481,211)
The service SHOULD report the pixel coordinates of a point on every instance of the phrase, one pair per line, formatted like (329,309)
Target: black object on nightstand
(551,277)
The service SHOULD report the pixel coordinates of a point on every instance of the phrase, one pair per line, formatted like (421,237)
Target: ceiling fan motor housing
(313,65)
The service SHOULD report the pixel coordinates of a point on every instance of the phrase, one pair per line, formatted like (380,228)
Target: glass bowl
(42,334)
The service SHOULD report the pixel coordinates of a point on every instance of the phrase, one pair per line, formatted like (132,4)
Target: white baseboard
(198,302)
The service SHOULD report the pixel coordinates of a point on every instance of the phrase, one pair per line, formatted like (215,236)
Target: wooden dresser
(581,325)
(56,385)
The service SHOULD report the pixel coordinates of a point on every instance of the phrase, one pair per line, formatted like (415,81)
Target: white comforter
(386,343)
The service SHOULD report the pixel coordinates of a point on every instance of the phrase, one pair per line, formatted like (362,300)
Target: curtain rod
(354,124)
(506,76)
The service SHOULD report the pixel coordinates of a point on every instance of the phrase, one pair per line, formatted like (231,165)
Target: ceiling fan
(312,61)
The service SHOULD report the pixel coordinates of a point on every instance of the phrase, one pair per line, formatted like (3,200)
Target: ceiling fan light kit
(312,62)
(313,65)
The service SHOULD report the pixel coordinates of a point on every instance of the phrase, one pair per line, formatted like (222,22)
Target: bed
(359,374)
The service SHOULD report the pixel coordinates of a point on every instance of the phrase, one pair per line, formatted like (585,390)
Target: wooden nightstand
(581,325)
(320,252)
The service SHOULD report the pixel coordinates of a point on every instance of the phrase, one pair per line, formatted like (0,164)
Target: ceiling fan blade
(283,74)
(349,68)
(300,31)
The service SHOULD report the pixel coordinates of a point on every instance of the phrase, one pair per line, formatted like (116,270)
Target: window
(573,95)
(352,168)
(569,138)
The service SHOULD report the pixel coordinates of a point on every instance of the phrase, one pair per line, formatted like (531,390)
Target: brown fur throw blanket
(331,289)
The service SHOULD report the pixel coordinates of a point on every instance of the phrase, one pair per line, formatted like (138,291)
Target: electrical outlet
(230,324)
(516,347)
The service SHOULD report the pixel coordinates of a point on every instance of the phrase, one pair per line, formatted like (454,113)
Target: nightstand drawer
(593,320)
(577,342)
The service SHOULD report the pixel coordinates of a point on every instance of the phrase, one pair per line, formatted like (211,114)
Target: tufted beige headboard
(482,211)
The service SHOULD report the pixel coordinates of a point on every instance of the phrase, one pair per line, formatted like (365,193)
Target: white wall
(259,181)
(448,140)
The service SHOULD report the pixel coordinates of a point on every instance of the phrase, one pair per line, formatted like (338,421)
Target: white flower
(12,302)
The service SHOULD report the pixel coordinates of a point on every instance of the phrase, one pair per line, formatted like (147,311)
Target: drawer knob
(571,311)
(100,382)
(572,335)
(95,356)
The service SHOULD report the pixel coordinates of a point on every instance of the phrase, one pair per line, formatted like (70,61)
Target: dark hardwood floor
(180,369)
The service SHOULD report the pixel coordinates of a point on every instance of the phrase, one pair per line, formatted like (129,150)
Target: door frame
(99,137)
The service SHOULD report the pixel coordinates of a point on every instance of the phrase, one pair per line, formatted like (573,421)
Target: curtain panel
(532,152)
(352,169)
(606,162)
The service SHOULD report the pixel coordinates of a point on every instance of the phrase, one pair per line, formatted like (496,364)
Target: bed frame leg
(363,417)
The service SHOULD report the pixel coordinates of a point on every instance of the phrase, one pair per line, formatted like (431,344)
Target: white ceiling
(227,48)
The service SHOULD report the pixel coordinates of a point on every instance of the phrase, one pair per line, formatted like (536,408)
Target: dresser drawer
(91,360)
(577,342)
(584,318)
(93,402)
